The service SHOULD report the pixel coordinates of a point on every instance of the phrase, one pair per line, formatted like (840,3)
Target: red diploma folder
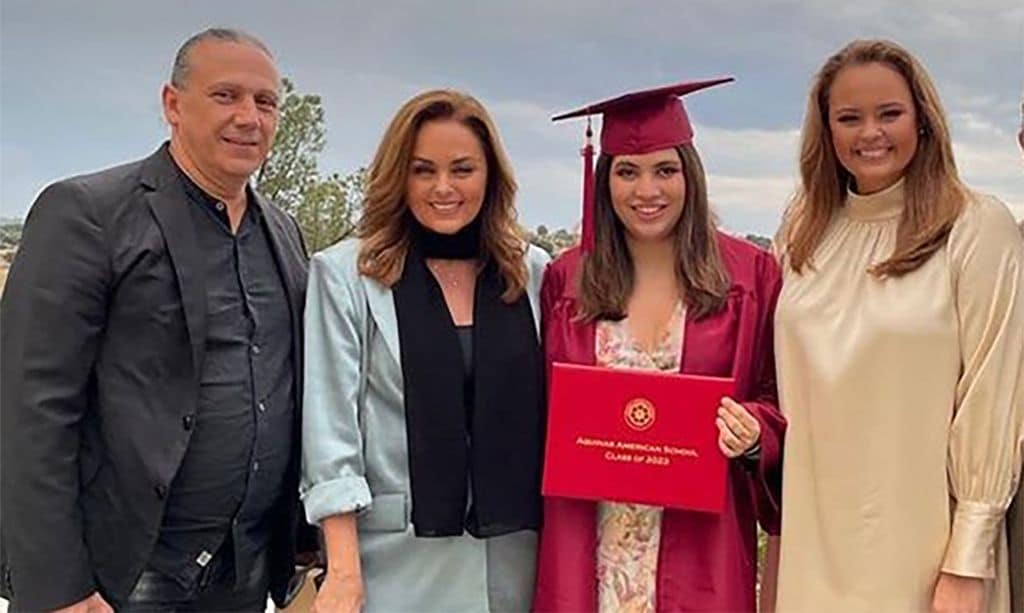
(635,436)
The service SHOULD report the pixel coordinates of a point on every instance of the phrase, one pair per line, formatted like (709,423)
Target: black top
(466,343)
(457,439)
(233,471)
(465,334)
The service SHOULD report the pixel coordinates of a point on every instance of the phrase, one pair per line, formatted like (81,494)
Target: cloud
(747,151)
(989,158)
(15,197)
(994,170)
(534,120)
(750,204)
(550,192)
(81,80)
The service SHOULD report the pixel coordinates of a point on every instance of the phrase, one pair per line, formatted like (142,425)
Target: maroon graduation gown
(706,562)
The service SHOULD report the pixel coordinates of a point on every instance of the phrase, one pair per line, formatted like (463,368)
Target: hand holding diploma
(738,430)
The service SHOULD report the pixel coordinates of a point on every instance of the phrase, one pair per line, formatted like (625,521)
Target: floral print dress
(628,535)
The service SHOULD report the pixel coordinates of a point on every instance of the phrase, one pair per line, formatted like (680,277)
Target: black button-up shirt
(232,475)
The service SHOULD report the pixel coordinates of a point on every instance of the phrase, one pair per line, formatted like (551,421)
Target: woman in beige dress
(899,345)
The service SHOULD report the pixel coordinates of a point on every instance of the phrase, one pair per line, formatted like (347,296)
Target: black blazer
(102,331)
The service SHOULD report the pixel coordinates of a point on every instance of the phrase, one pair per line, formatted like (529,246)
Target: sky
(80,81)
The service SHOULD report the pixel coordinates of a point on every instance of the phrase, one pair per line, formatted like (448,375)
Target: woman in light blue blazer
(424,391)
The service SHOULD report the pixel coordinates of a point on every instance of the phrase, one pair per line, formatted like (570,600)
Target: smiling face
(873,123)
(224,115)
(647,193)
(447,179)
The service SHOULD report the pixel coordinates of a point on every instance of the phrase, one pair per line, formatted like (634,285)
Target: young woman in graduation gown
(657,286)
(424,376)
(900,348)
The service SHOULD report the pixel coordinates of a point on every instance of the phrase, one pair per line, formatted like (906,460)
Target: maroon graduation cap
(634,123)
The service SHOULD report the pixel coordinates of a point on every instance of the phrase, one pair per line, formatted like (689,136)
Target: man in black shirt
(151,358)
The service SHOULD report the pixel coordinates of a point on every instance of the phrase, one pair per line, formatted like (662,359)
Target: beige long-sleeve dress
(904,399)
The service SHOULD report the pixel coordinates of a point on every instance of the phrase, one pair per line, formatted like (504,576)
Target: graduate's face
(447,178)
(647,193)
(224,115)
(873,123)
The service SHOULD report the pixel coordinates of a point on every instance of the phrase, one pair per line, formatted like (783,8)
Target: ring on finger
(738,428)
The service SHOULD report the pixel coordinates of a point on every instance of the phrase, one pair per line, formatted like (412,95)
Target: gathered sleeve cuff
(971,551)
(985,441)
(333,467)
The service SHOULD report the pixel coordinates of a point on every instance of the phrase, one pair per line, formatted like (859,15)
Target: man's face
(224,115)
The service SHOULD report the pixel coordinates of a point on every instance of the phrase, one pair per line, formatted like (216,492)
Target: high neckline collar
(463,245)
(879,206)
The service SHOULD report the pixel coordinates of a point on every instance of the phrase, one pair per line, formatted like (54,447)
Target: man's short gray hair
(226,35)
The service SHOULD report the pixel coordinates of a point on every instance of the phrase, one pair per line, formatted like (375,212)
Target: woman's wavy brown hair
(606,277)
(934,193)
(384,229)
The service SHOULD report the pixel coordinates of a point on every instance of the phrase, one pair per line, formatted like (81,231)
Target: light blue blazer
(355,454)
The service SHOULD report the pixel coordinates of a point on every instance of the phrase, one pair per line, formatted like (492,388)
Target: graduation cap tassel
(588,191)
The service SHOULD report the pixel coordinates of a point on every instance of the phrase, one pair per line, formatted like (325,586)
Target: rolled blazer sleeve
(333,466)
(987,260)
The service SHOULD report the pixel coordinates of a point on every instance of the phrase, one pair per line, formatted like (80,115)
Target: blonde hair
(384,228)
(935,196)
